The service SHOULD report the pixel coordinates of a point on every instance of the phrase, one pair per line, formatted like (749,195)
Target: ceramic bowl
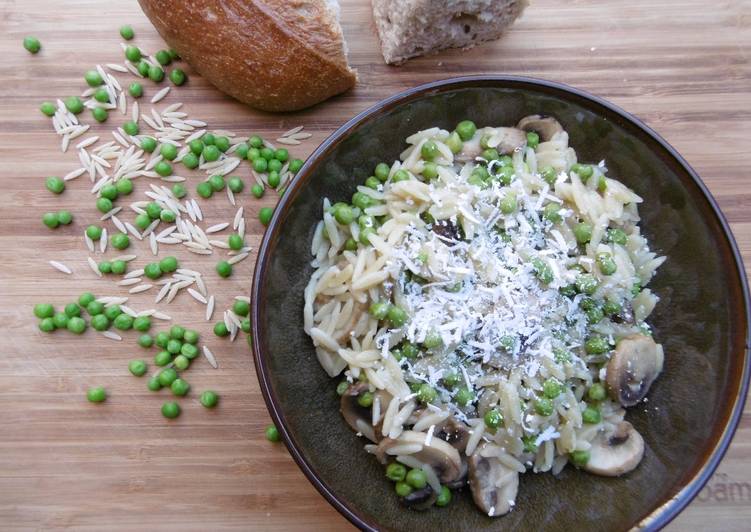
(702,318)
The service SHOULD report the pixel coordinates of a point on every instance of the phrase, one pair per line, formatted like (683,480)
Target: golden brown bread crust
(274,55)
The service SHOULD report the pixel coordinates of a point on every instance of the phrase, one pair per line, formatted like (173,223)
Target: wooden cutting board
(679,66)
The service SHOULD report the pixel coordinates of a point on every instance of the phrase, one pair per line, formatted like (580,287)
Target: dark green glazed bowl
(702,318)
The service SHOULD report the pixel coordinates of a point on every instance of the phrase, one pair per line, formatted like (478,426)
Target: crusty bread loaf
(276,55)
(408,28)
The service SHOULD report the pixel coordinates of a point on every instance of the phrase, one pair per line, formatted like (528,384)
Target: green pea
(591,415)
(257,190)
(426,393)
(529,444)
(50,220)
(245,325)
(417,478)
(583,232)
(168,264)
(110,192)
(491,154)
(168,151)
(123,322)
(120,241)
(47,325)
(242,150)
(508,204)
(617,236)
(94,308)
(542,271)
(48,108)
(533,139)
(464,396)
(96,395)
(102,96)
(55,185)
(209,399)
(178,76)
(397,316)
(454,142)
(132,54)
(179,387)
(72,310)
(170,410)
(173,54)
(162,358)
(361,200)
(295,165)
(154,385)
(365,400)
(433,340)
(579,458)
(220,329)
(429,150)
(205,190)
(142,323)
(606,263)
(602,184)
(179,190)
(126,32)
(611,308)
(189,351)
(236,184)
(148,144)
(83,300)
(112,312)
(493,418)
(124,186)
(274,179)
(399,175)
(60,319)
(210,153)
(163,57)
(586,283)
(156,74)
(584,171)
(403,489)
(260,165)
(93,78)
(222,144)
(76,325)
(161,339)
(350,244)
(444,497)
(395,472)
(451,379)
(596,345)
(382,171)
(635,289)
(32,44)
(224,269)
(342,387)
(543,406)
(143,68)
(163,168)
(265,214)
(44,310)
(597,392)
(100,322)
(466,129)
(241,308)
(167,376)
(272,434)
(145,341)
(429,172)
(255,141)
(104,205)
(167,216)
(99,114)
(142,221)
(174,346)
(74,105)
(267,153)
(552,213)
(552,388)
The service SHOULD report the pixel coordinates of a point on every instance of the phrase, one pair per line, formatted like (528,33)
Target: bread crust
(274,55)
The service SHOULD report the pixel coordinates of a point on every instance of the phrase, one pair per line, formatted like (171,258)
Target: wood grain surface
(681,66)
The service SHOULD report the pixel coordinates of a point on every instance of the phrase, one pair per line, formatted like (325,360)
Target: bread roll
(408,28)
(275,55)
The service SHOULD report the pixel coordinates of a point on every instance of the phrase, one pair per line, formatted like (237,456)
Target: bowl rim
(659,516)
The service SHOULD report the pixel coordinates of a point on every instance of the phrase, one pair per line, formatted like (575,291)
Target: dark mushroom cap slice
(493,485)
(545,126)
(633,367)
(616,452)
(421,499)
(358,417)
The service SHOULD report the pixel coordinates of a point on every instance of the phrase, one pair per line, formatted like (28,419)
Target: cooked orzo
(485,299)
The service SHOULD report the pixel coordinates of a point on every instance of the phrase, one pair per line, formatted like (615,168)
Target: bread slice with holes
(409,28)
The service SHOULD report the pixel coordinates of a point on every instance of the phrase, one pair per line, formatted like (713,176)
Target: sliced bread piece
(276,55)
(409,28)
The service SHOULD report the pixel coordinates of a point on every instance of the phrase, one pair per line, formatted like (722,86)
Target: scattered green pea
(156,74)
(47,325)
(93,78)
(170,410)
(148,144)
(167,376)
(168,264)
(260,165)
(100,322)
(235,184)
(163,57)
(402,489)
(257,190)
(220,329)
(123,322)
(163,168)
(145,340)
(96,395)
(274,179)
(143,68)
(126,32)
(50,219)
(272,434)
(133,54)
(417,478)
(74,104)
(55,185)
(48,109)
(32,44)
(60,319)
(99,114)
(444,497)
(210,152)
(224,268)
(83,300)
(142,323)
(120,241)
(179,387)
(162,358)
(265,214)
(154,385)
(76,325)
(295,165)
(209,399)
(179,190)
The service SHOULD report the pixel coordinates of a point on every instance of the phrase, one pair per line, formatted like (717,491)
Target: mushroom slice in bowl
(635,364)
(358,417)
(436,453)
(493,485)
(545,126)
(615,452)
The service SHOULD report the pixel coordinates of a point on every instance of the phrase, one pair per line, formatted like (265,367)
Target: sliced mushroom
(358,417)
(635,364)
(439,455)
(453,432)
(617,452)
(462,480)
(506,139)
(421,499)
(493,485)
(545,126)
